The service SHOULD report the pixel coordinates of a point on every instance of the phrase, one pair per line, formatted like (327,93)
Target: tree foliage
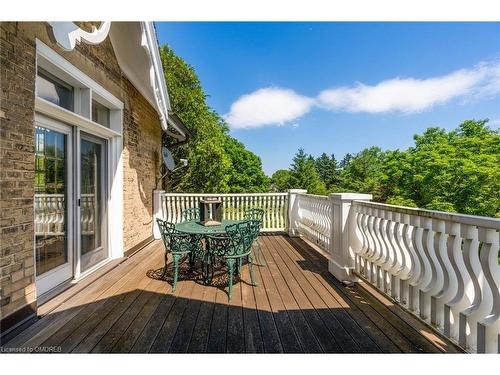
(303,174)
(456,171)
(245,172)
(217,162)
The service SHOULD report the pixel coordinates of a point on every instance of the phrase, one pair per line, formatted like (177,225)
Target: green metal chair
(190,214)
(256,214)
(179,245)
(233,248)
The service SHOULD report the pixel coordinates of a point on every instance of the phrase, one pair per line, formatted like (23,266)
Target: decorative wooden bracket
(68,35)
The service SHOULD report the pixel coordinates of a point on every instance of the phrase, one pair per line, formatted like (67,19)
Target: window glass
(100,113)
(54,90)
(50,199)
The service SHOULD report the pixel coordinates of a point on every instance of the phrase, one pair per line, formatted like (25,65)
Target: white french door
(54,194)
(92,201)
(70,203)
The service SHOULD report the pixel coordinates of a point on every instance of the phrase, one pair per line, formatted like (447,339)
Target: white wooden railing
(314,219)
(441,266)
(171,205)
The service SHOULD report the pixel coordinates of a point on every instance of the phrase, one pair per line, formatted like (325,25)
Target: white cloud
(277,106)
(267,106)
(413,95)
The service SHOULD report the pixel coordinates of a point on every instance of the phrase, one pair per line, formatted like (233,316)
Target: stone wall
(17,162)
(141,150)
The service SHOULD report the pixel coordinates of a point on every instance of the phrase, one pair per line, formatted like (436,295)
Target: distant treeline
(455,171)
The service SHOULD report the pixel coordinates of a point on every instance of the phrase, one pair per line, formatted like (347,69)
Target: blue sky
(340,87)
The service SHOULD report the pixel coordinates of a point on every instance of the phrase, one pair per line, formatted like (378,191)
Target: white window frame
(81,120)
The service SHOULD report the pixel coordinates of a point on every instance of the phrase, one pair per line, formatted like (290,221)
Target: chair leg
(230,266)
(250,269)
(176,270)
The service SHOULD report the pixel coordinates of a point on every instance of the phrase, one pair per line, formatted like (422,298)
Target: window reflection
(54,90)
(100,113)
(90,209)
(50,200)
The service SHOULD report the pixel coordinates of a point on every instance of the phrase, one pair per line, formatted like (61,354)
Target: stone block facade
(141,153)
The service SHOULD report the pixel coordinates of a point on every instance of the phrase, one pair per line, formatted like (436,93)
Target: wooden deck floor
(298,307)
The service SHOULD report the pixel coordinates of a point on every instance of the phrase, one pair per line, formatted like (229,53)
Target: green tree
(363,172)
(281,180)
(217,162)
(328,170)
(208,161)
(454,171)
(304,174)
(245,173)
(458,170)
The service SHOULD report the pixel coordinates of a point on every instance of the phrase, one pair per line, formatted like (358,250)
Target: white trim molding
(68,35)
(157,78)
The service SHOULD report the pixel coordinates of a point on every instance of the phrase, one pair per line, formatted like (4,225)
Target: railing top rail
(480,221)
(313,195)
(222,195)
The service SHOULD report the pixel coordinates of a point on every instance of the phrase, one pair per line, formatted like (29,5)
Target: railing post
(157,211)
(293,211)
(342,233)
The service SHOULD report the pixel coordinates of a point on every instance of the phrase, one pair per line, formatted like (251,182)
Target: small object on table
(213,206)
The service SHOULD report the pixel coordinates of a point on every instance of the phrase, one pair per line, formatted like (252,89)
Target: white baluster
(488,327)
(467,319)
(461,300)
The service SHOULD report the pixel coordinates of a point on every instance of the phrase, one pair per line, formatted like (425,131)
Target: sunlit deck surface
(298,307)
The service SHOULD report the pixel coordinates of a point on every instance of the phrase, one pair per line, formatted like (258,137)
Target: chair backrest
(166,230)
(190,214)
(254,214)
(175,241)
(236,241)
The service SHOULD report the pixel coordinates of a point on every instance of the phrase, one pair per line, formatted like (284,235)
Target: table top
(195,227)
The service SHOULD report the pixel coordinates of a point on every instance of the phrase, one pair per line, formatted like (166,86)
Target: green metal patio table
(196,229)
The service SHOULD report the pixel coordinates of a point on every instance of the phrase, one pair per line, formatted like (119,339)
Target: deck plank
(347,324)
(235,329)
(269,322)
(201,332)
(297,307)
(128,339)
(163,341)
(319,326)
(309,341)
(309,290)
(218,328)
(75,330)
(106,330)
(184,332)
(40,331)
(252,331)
(381,322)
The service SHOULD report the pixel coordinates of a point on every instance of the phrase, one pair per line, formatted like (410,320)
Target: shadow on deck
(298,307)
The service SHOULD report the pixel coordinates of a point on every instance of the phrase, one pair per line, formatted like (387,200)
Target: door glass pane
(50,199)
(91,206)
